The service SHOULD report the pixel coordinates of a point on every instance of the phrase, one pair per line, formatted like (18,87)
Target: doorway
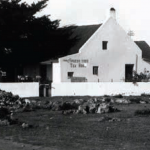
(128,72)
(43,72)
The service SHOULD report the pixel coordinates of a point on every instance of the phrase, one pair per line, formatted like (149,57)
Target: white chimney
(113,13)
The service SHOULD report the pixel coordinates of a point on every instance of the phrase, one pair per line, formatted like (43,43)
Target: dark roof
(145,49)
(82,33)
(50,61)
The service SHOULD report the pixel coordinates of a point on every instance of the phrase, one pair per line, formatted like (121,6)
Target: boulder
(82,109)
(115,119)
(103,108)
(78,101)
(106,99)
(142,102)
(122,100)
(4,122)
(92,108)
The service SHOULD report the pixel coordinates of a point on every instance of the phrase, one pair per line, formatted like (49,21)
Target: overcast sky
(131,14)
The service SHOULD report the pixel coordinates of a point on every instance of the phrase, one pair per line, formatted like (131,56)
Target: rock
(56,106)
(67,112)
(124,101)
(101,119)
(25,125)
(82,109)
(106,99)
(115,119)
(33,102)
(27,101)
(92,108)
(142,102)
(95,100)
(4,122)
(103,108)
(27,108)
(112,101)
(78,101)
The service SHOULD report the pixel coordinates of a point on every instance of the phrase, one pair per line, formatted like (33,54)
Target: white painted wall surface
(56,73)
(100,89)
(21,89)
(111,62)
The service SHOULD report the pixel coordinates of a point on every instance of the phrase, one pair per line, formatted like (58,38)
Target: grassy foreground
(84,132)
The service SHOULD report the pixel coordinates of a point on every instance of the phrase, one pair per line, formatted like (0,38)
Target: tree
(25,38)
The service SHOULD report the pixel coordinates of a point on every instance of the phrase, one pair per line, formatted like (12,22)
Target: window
(95,70)
(70,75)
(104,45)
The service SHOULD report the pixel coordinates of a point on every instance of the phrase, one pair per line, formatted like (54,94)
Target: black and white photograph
(74,75)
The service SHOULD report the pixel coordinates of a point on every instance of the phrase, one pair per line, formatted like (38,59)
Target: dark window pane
(95,70)
(70,74)
(104,45)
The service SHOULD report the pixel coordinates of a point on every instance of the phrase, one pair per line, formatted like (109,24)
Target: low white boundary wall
(22,89)
(100,89)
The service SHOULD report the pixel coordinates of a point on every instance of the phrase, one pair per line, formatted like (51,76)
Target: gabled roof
(83,33)
(145,49)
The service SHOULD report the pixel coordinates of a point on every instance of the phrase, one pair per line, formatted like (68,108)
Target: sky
(131,14)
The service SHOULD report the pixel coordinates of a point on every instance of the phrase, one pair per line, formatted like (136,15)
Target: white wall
(21,89)
(111,62)
(99,89)
(56,73)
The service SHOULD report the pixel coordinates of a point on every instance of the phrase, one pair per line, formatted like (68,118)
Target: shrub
(145,95)
(142,112)
(4,112)
(106,96)
(118,96)
(135,100)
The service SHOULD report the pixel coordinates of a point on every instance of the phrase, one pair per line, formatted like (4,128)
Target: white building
(104,53)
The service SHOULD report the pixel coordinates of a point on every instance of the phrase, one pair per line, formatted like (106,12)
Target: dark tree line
(25,38)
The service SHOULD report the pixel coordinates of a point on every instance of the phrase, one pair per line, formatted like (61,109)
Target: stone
(122,100)
(81,109)
(103,108)
(115,119)
(24,125)
(142,102)
(27,101)
(92,108)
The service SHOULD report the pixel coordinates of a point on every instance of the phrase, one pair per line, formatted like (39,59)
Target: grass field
(84,132)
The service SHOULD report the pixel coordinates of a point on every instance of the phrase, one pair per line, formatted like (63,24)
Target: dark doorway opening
(43,70)
(128,72)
